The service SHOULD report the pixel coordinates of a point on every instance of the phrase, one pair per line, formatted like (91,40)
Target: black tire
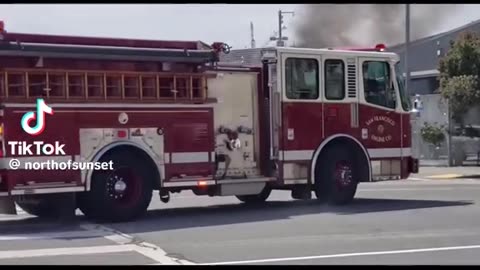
(104,203)
(258,198)
(331,186)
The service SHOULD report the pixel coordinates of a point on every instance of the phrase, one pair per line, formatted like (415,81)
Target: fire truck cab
(169,118)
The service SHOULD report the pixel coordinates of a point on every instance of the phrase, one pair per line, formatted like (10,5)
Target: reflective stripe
(47,190)
(389,152)
(293,155)
(406,152)
(297,155)
(190,157)
(187,183)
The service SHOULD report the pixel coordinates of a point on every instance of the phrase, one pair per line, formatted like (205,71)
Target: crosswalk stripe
(16,254)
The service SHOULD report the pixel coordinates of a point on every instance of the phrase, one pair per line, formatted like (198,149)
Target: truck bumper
(413,165)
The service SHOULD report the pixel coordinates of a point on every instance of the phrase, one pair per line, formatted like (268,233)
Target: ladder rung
(109,85)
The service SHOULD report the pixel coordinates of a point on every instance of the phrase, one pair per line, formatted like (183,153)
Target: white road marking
(123,243)
(146,249)
(5,218)
(16,254)
(19,216)
(51,235)
(20,211)
(405,251)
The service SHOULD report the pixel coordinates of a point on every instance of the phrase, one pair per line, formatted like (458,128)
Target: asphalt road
(400,222)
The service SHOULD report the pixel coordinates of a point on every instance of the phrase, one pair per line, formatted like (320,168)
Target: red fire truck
(169,117)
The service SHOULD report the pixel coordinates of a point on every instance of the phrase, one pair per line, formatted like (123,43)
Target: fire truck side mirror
(417,107)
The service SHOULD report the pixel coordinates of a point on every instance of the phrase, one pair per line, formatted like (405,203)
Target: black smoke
(329,25)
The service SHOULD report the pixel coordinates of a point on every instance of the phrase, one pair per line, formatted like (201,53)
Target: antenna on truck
(252,36)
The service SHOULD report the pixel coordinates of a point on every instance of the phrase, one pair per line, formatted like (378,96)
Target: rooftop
(453,31)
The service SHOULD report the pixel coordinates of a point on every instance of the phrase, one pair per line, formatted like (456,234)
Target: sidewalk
(444,172)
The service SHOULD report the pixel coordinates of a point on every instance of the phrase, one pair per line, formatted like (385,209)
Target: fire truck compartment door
(301,105)
(236,123)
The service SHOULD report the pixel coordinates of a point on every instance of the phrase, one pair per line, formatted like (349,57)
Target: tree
(459,74)
(433,134)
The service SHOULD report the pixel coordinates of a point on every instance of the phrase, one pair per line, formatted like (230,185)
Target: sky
(206,22)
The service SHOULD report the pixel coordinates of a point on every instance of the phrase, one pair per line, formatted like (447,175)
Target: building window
(378,85)
(301,78)
(334,79)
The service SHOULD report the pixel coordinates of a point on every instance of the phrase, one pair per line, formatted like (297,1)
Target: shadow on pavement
(180,218)
(187,217)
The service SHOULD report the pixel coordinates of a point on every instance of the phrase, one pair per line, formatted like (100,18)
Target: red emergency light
(2,27)
(380,47)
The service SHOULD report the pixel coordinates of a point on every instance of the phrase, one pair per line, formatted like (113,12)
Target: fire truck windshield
(401,85)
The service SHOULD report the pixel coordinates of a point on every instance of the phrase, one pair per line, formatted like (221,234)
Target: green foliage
(432,134)
(459,74)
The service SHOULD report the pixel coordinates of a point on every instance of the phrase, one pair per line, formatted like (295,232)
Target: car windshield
(401,85)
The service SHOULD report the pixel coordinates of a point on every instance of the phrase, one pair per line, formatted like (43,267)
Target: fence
(464,149)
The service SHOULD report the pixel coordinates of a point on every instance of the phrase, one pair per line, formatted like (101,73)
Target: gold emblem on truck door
(378,133)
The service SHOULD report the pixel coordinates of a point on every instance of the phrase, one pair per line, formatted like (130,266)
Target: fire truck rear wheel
(337,176)
(122,194)
(258,198)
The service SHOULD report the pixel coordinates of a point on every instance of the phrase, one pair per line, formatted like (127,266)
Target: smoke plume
(353,25)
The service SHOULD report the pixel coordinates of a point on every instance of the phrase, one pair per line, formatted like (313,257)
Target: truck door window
(301,78)
(334,79)
(378,84)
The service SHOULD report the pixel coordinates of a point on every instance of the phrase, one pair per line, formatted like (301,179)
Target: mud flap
(7,206)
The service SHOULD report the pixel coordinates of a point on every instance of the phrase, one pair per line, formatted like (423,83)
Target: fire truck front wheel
(337,176)
(122,194)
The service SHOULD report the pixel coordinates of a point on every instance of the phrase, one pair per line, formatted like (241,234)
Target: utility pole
(280,24)
(252,36)
(281,39)
(407,44)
